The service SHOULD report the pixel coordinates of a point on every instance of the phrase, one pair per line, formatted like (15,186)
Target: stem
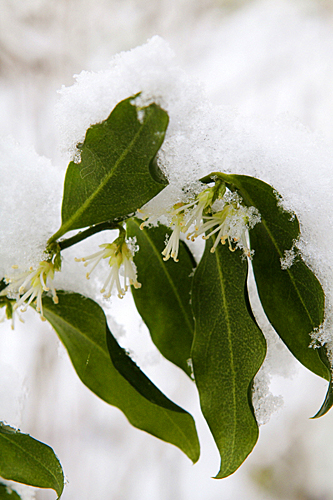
(82,235)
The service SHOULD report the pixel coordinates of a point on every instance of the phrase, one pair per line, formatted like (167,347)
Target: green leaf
(117,172)
(292,298)
(8,494)
(328,402)
(81,325)
(228,350)
(26,460)
(3,284)
(132,373)
(163,301)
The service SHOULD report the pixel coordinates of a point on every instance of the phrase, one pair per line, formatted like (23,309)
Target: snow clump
(202,138)
(30,205)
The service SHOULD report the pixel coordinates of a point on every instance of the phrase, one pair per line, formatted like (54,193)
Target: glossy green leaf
(292,298)
(26,460)
(81,326)
(117,172)
(132,373)
(163,301)
(228,350)
(328,401)
(8,494)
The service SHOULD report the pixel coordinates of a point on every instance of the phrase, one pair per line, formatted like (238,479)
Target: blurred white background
(262,57)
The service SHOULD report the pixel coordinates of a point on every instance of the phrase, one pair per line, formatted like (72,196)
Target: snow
(30,193)
(266,67)
(202,138)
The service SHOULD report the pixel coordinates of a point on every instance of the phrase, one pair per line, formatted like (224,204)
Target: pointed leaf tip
(28,461)
(228,350)
(81,326)
(328,402)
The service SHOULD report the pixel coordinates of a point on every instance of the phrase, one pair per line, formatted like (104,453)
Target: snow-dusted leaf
(26,460)
(81,325)
(163,301)
(228,350)
(292,298)
(117,172)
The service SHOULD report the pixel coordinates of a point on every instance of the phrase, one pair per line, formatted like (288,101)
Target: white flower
(194,216)
(172,246)
(189,213)
(176,222)
(29,286)
(10,314)
(232,224)
(120,261)
(181,218)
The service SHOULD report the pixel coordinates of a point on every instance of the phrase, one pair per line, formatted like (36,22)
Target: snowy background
(266,60)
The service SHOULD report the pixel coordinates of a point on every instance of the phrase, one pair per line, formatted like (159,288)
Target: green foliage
(328,402)
(81,326)
(132,373)
(163,301)
(228,350)
(117,172)
(26,460)
(2,285)
(8,494)
(196,314)
(292,298)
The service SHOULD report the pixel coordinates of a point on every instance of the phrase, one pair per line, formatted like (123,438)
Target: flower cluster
(229,224)
(212,210)
(29,286)
(182,217)
(120,255)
